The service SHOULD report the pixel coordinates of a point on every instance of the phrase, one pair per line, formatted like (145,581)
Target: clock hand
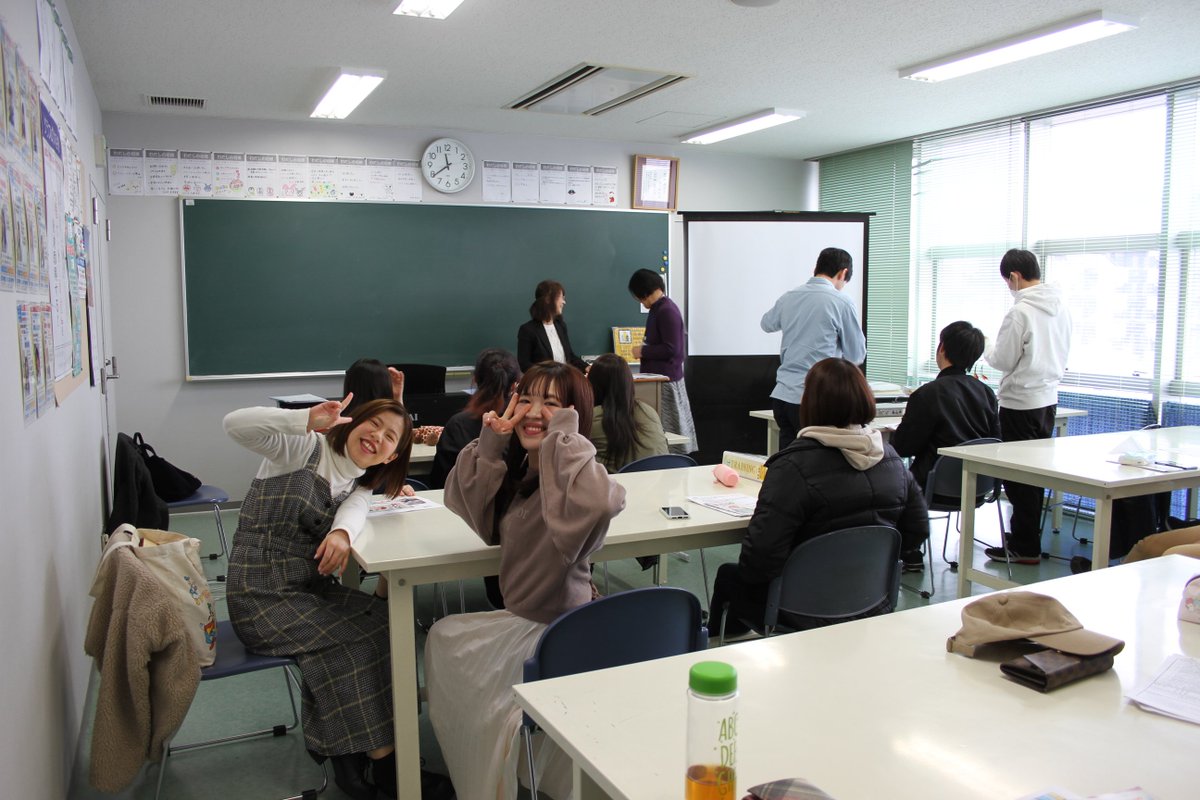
(447,155)
(440,171)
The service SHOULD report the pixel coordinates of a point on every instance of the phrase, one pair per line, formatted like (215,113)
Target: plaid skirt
(676,414)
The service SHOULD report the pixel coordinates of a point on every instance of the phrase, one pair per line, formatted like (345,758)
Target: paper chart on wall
(262,175)
(408,180)
(25,344)
(604,186)
(552,184)
(322,177)
(162,172)
(8,267)
(497,182)
(56,248)
(352,178)
(525,182)
(380,186)
(579,185)
(126,172)
(195,173)
(293,176)
(229,171)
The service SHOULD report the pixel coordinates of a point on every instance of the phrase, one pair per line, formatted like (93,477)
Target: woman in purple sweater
(662,352)
(531,484)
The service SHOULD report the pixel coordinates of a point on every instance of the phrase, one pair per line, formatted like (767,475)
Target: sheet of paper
(293,176)
(1174,691)
(400,505)
(229,174)
(262,175)
(297,398)
(126,172)
(525,182)
(736,505)
(408,180)
(604,186)
(552,184)
(497,182)
(579,185)
(195,173)
(162,172)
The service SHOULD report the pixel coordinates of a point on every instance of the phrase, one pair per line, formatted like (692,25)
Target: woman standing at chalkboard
(662,352)
(544,337)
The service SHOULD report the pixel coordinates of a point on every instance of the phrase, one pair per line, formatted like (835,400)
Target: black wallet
(1047,670)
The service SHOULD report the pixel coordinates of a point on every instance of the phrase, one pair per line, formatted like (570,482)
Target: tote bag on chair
(174,559)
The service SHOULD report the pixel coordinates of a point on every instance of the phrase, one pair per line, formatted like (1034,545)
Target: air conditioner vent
(165,101)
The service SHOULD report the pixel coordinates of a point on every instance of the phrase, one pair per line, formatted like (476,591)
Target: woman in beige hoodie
(531,484)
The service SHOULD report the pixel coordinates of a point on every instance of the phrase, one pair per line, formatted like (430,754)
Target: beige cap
(1002,617)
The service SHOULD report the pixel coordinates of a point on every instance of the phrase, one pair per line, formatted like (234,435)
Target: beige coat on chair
(148,670)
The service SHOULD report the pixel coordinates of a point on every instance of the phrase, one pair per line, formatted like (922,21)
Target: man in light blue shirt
(818,322)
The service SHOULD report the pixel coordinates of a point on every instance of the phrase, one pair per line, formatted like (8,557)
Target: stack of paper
(737,505)
(1174,691)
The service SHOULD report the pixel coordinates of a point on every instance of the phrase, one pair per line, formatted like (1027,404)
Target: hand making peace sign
(506,422)
(324,416)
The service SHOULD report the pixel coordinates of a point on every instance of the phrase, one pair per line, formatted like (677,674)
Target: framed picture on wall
(655,180)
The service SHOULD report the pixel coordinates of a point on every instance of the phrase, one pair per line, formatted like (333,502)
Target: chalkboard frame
(599,249)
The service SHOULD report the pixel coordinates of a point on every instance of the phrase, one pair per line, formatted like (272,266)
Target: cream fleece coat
(148,670)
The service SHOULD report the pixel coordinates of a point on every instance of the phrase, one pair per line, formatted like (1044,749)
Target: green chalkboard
(282,287)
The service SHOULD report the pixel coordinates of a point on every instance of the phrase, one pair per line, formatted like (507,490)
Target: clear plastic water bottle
(712,732)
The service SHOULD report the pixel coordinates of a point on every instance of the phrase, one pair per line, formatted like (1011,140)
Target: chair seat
(205,495)
(234,659)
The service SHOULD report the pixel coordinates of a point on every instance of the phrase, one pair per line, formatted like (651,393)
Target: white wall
(51,493)
(183,419)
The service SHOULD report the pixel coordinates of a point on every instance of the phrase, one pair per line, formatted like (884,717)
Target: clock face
(448,165)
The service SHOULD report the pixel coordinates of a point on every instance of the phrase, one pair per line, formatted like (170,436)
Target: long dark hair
(572,389)
(369,379)
(544,297)
(612,386)
(496,370)
(390,476)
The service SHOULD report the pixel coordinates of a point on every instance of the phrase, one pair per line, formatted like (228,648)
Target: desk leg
(1056,495)
(1101,532)
(772,437)
(584,788)
(404,688)
(966,539)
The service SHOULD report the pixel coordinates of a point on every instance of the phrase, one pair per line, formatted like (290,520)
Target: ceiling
(836,60)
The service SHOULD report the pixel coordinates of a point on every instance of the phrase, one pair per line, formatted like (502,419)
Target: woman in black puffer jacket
(837,474)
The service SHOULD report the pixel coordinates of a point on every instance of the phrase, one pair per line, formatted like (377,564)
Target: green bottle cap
(712,678)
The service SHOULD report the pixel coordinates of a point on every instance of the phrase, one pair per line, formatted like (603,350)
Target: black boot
(383,775)
(349,773)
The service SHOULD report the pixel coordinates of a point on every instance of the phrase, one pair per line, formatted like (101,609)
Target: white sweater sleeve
(279,435)
(352,513)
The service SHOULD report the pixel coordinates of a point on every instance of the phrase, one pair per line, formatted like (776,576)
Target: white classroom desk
(878,709)
(1080,465)
(422,454)
(1061,417)
(424,547)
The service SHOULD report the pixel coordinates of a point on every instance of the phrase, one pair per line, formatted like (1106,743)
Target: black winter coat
(811,489)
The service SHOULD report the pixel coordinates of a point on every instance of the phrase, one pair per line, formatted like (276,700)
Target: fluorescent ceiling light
(767,118)
(350,89)
(1077,30)
(430,9)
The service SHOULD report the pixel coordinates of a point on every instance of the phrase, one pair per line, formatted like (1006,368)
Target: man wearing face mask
(1031,350)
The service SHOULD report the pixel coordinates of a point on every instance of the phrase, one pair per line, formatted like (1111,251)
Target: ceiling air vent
(591,89)
(164,101)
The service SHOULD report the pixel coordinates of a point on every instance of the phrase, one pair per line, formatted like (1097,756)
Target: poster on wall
(126,171)
(322,177)
(56,247)
(162,172)
(408,180)
(8,267)
(262,175)
(293,176)
(604,186)
(28,369)
(579,185)
(229,170)
(195,173)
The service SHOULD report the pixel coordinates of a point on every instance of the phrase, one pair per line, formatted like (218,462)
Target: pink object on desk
(725,475)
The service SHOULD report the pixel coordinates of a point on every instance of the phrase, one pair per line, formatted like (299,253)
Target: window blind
(878,181)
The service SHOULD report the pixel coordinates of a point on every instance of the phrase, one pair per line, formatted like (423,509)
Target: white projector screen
(738,265)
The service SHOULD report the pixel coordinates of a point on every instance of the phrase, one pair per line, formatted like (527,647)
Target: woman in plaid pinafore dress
(307,502)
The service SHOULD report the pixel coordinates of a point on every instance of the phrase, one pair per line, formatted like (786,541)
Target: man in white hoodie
(1031,350)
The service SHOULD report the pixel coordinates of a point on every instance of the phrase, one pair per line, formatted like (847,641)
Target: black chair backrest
(664,461)
(838,576)
(418,486)
(943,486)
(422,378)
(623,628)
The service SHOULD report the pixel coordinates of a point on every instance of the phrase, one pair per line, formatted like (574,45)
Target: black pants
(787,417)
(746,601)
(1025,525)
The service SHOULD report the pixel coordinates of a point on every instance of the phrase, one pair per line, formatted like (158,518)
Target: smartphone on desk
(675,512)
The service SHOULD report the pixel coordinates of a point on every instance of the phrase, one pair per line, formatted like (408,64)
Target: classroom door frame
(102,328)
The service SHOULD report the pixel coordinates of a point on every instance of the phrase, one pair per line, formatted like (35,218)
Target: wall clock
(448,165)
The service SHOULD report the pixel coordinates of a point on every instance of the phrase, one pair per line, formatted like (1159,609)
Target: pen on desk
(1173,464)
